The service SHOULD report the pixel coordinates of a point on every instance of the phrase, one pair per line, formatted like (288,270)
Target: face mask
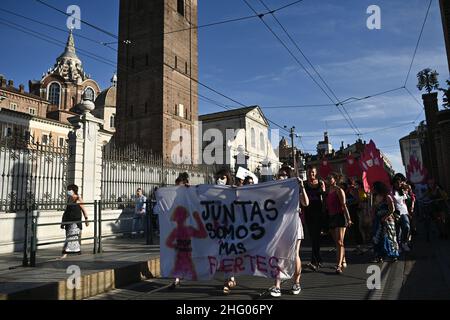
(70,193)
(221,182)
(283,177)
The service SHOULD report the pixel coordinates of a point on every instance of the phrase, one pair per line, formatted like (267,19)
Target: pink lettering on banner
(227,265)
(252,265)
(238,265)
(261,263)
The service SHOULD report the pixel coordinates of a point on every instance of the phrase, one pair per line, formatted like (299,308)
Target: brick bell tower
(156,64)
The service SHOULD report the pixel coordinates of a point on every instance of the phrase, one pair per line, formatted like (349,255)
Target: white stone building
(251,139)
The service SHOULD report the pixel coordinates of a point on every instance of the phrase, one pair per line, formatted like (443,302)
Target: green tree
(428,79)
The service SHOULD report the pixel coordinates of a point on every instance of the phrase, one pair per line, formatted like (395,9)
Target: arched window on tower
(89,94)
(112,121)
(261,142)
(54,93)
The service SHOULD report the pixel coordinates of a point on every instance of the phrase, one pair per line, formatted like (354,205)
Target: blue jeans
(403,229)
(138,223)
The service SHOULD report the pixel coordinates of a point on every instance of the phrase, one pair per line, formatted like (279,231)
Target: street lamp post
(293,135)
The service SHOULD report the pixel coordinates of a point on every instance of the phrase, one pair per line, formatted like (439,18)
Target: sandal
(312,267)
(228,285)
(338,269)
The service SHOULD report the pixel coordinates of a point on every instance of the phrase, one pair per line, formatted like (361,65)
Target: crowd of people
(382,221)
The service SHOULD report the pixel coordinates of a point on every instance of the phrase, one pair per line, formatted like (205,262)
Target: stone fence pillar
(85,153)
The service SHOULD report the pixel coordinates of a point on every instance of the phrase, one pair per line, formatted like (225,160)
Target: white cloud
(363,112)
(282,74)
(382,65)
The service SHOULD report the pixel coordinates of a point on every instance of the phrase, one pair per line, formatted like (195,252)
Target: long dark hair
(226,173)
(398,177)
(287,170)
(73,187)
(380,188)
(337,177)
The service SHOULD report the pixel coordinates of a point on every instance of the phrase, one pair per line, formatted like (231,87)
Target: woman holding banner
(338,218)
(182,180)
(223,178)
(275,291)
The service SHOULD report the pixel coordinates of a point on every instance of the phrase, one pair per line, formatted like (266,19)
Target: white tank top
(400,203)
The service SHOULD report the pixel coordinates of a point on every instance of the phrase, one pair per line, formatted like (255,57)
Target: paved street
(422,274)
(324,284)
(115,275)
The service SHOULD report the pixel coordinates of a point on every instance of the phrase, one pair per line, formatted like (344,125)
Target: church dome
(107,98)
(68,65)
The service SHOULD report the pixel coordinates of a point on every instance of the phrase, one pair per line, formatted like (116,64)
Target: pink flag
(325,168)
(352,167)
(415,171)
(373,166)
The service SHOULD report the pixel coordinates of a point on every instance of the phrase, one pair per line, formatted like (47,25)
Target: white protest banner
(249,230)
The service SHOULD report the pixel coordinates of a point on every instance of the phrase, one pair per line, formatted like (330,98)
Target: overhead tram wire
(83,21)
(359,99)
(301,64)
(55,28)
(210,24)
(97,28)
(211,101)
(169,32)
(54,41)
(236,19)
(197,81)
(102,43)
(353,100)
(413,58)
(312,66)
(61,44)
(364,133)
(106,45)
(99,59)
(109,47)
(418,42)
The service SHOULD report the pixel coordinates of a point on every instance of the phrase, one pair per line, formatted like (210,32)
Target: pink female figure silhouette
(180,239)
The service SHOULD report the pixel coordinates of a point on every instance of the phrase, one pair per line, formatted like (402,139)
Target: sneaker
(174,284)
(405,247)
(275,292)
(296,288)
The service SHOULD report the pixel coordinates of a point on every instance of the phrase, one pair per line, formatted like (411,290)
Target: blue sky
(244,60)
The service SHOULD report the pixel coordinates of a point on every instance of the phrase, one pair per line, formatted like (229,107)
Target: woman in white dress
(275,291)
